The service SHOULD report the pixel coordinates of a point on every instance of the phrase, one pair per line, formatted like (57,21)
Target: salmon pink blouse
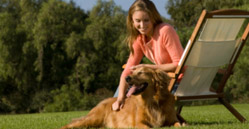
(164,47)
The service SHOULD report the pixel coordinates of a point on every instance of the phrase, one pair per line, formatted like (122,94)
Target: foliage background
(54,56)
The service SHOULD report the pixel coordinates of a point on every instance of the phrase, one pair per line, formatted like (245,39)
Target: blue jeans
(174,88)
(116,93)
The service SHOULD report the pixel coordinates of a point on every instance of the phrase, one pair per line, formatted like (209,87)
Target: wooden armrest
(124,66)
(171,75)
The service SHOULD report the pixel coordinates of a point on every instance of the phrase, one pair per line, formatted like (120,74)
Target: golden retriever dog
(150,106)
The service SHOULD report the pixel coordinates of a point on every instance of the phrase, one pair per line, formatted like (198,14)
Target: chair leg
(232,110)
(179,117)
(179,109)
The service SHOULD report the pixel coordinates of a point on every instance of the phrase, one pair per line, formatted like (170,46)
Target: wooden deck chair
(214,47)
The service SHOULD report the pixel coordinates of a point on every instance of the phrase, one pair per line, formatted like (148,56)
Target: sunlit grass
(198,117)
(38,121)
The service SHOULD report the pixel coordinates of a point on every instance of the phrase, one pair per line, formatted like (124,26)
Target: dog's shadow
(211,123)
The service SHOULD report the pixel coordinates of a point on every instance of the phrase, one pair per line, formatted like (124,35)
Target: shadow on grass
(211,123)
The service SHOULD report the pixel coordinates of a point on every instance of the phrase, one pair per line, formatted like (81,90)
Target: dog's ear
(162,77)
(161,85)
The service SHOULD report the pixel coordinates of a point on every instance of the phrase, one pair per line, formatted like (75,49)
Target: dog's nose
(128,79)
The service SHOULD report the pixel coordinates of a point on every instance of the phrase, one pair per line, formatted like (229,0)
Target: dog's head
(148,82)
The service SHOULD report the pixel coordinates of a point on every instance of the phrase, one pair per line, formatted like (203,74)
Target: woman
(148,36)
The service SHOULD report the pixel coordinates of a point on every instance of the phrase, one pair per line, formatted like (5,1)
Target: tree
(33,57)
(57,24)
(15,73)
(100,63)
(99,56)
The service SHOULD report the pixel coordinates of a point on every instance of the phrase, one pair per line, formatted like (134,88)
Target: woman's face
(142,22)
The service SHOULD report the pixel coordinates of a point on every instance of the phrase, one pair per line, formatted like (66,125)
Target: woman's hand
(118,104)
(137,66)
(170,67)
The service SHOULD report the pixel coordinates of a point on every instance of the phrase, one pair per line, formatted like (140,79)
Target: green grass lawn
(198,117)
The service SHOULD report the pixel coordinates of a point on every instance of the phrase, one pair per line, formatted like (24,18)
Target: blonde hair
(140,5)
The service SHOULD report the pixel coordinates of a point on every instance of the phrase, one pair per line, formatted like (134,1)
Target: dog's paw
(177,124)
(184,124)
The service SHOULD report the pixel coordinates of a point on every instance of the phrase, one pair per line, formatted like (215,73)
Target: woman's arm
(133,60)
(119,103)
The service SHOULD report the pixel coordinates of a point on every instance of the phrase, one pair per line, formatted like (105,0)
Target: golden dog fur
(153,107)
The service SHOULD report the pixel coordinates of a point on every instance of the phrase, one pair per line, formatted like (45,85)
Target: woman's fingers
(115,106)
(137,66)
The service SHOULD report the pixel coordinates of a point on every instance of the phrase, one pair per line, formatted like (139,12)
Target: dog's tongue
(131,91)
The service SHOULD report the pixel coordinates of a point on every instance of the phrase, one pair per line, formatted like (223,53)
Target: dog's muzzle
(135,89)
(128,79)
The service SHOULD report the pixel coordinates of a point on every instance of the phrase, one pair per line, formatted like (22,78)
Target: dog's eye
(139,73)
